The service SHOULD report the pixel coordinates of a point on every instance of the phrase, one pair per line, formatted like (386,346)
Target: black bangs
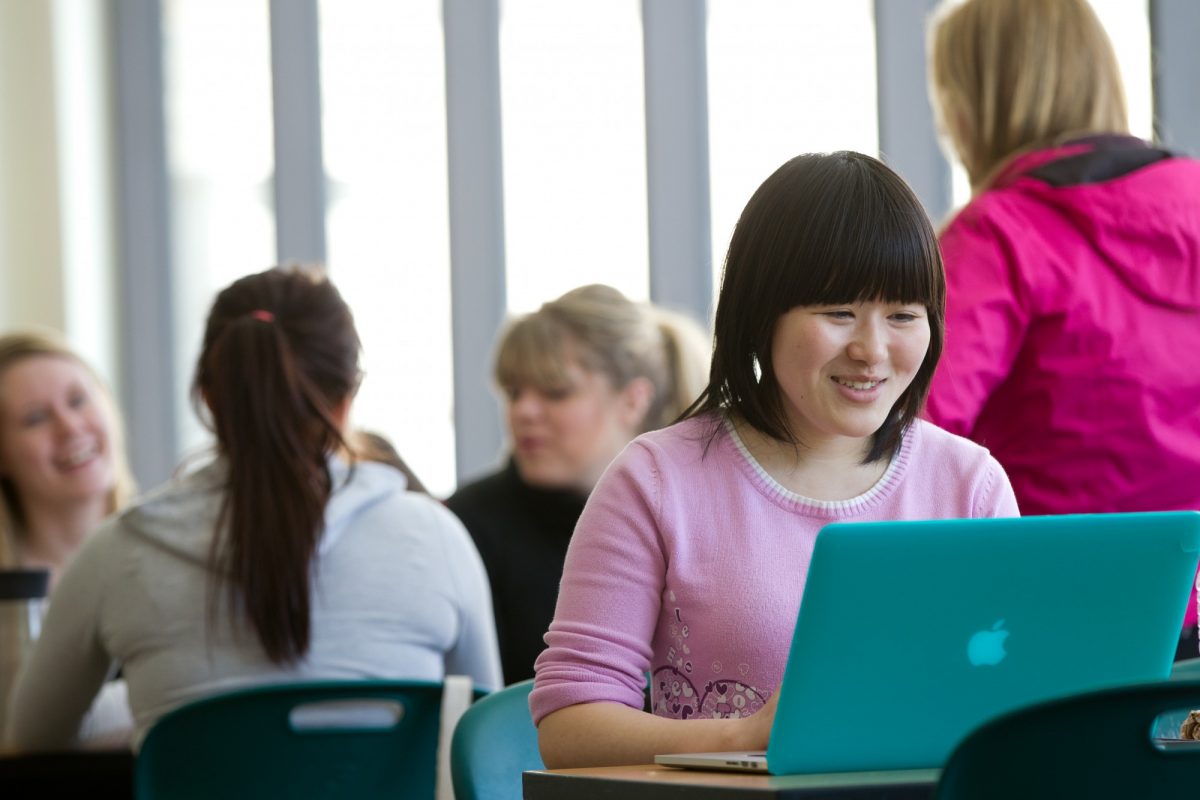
(855,242)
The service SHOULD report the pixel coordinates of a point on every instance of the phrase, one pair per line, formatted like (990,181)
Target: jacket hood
(181,516)
(1137,206)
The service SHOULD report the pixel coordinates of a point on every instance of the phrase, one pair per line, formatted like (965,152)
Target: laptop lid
(911,634)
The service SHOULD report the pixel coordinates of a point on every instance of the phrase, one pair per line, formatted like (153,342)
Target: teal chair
(495,742)
(360,739)
(1096,745)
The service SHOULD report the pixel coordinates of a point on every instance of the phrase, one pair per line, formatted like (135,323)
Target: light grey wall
(1174,31)
(299,164)
(146,333)
(677,160)
(477,277)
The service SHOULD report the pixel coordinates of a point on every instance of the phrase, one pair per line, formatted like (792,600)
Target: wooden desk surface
(650,781)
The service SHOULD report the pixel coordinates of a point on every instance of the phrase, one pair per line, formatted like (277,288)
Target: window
(784,77)
(572,101)
(384,109)
(220,157)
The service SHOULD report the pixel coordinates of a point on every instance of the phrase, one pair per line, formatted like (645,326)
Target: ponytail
(686,351)
(280,354)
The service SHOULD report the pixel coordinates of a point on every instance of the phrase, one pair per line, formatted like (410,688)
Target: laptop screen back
(910,634)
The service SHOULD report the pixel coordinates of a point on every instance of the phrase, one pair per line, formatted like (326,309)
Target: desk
(668,783)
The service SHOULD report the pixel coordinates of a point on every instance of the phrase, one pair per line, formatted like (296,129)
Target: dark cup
(22,602)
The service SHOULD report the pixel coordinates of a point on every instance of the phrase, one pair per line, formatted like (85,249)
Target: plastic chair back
(361,739)
(495,742)
(1096,745)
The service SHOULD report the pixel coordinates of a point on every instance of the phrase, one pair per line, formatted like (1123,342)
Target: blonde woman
(62,454)
(582,376)
(62,471)
(1073,275)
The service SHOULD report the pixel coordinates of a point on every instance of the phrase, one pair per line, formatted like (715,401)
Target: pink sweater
(690,566)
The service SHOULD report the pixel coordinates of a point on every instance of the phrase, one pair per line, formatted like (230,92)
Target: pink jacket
(1073,328)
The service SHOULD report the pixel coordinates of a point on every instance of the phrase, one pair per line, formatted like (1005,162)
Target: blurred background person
(582,376)
(1073,273)
(62,452)
(282,559)
(62,471)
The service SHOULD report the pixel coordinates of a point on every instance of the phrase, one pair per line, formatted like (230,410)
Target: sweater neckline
(785,498)
(568,500)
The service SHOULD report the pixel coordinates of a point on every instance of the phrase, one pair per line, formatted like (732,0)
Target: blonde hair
(606,333)
(1014,75)
(18,346)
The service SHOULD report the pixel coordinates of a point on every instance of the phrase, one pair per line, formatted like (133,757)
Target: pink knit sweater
(690,565)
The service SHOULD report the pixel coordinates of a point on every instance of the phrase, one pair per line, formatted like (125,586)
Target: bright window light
(572,100)
(784,77)
(384,109)
(220,157)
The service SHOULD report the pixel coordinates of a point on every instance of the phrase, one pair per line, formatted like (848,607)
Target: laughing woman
(62,455)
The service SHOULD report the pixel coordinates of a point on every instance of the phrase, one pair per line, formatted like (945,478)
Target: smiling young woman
(690,559)
(62,458)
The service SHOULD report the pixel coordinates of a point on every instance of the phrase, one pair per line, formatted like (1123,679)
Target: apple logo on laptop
(986,648)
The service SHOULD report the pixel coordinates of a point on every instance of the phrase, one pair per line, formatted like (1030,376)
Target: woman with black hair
(285,558)
(690,558)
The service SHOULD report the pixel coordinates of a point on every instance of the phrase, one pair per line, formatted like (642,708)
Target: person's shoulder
(398,519)
(480,492)
(677,450)
(686,436)
(932,442)
(178,516)
(1002,210)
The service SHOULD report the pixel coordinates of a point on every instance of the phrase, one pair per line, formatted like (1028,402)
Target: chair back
(1096,745)
(361,739)
(495,742)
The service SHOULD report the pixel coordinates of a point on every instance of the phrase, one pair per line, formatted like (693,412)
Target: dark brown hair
(280,354)
(823,229)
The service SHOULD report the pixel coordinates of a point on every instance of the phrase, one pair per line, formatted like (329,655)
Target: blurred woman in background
(1073,275)
(283,559)
(583,375)
(62,471)
(62,452)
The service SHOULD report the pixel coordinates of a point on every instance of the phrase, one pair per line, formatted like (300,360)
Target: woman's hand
(757,727)
(602,734)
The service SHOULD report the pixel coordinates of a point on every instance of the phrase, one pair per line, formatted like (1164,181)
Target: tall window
(384,109)
(572,100)
(217,74)
(784,77)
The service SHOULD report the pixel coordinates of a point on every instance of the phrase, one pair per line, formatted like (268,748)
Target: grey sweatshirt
(398,591)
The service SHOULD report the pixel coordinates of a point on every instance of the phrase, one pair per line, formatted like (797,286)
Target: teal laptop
(911,634)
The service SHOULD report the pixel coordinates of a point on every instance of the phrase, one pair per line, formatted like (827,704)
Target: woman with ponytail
(285,558)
